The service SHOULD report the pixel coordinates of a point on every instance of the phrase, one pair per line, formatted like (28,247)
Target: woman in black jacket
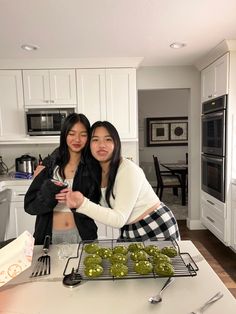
(72,165)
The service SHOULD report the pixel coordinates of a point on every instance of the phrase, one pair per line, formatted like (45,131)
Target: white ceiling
(116,28)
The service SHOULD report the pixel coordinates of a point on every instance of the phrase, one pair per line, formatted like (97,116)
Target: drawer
(18,193)
(213,219)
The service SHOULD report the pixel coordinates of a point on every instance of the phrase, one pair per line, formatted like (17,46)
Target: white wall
(182,77)
(160,103)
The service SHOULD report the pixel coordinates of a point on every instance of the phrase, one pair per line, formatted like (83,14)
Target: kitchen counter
(47,295)
(8,181)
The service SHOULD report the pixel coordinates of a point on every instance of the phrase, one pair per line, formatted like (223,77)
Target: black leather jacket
(40,198)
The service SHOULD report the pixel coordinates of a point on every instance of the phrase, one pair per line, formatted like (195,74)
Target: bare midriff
(148,211)
(63,221)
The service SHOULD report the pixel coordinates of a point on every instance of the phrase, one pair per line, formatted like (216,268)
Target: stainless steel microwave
(42,122)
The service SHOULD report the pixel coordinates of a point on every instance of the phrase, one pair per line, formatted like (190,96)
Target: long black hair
(64,154)
(116,155)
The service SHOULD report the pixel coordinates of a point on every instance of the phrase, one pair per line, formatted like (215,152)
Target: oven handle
(208,116)
(214,159)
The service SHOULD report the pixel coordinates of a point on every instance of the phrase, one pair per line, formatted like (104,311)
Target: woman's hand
(38,169)
(73,199)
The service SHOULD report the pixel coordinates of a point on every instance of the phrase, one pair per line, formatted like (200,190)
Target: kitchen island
(47,295)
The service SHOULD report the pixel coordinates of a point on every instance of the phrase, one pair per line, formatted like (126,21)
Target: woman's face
(77,137)
(101,145)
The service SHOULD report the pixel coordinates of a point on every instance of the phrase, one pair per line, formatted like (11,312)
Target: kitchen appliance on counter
(26,164)
(43,122)
(3,167)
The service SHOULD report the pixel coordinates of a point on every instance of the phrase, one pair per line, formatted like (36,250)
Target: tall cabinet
(217,79)
(12,117)
(109,94)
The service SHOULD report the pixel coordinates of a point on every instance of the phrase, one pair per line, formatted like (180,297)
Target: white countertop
(8,181)
(47,295)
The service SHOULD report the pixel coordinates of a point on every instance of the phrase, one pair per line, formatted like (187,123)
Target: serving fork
(205,306)
(43,265)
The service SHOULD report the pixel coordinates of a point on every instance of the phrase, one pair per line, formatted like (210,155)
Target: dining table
(180,169)
(48,294)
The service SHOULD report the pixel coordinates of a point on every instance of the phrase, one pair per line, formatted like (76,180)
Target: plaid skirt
(160,223)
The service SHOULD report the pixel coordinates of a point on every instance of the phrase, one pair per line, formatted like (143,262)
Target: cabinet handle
(211,202)
(46,101)
(52,101)
(21,194)
(211,220)
(209,96)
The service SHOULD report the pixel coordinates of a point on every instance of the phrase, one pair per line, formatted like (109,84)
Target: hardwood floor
(221,258)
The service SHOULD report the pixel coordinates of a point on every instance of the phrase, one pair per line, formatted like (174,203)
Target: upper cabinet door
(122,101)
(91,89)
(49,88)
(221,68)
(12,116)
(62,87)
(207,83)
(109,94)
(215,79)
(36,87)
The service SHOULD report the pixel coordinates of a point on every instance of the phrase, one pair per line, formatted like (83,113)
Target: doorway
(159,103)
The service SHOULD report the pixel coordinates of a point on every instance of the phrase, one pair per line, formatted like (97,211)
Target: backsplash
(10,152)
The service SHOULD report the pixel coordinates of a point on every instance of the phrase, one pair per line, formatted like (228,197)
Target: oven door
(213,133)
(213,176)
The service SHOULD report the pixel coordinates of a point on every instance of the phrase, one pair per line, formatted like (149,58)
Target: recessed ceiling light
(29,47)
(177,45)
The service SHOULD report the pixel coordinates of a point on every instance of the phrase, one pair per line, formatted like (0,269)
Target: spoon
(157,298)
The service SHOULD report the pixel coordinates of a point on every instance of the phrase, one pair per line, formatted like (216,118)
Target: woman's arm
(40,197)
(127,187)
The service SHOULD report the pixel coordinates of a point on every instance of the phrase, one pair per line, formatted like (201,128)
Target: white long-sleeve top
(133,196)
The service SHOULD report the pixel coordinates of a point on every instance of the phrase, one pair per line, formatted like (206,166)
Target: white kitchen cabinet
(12,115)
(233,210)
(109,94)
(19,220)
(213,216)
(215,79)
(49,88)
(106,232)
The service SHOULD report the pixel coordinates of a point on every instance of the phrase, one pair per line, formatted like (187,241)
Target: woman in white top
(127,199)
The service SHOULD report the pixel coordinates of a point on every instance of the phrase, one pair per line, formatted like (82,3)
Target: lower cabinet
(213,216)
(106,232)
(19,220)
(233,211)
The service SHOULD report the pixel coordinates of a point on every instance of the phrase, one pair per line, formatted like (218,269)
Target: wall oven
(213,176)
(213,126)
(214,147)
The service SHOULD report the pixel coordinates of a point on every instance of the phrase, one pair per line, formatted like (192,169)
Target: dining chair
(165,179)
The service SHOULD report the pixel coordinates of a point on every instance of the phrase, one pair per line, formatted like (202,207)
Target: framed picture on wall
(167,131)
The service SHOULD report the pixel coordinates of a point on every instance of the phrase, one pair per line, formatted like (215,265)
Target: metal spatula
(43,265)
